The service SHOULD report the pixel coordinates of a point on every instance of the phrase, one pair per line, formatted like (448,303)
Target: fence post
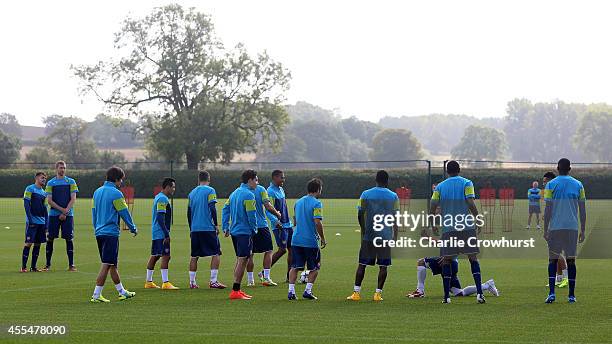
(429,193)
(172,198)
(444,169)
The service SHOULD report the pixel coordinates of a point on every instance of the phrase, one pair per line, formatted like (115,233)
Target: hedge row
(336,183)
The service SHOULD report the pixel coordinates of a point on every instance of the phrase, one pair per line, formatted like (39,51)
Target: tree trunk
(192,161)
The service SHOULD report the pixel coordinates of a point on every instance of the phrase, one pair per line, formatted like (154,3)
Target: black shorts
(463,236)
(108,247)
(534,209)
(243,245)
(67,227)
(562,241)
(262,240)
(309,257)
(370,254)
(158,248)
(205,244)
(35,234)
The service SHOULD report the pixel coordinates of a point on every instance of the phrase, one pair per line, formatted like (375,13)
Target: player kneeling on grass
(35,204)
(239,221)
(108,206)
(374,202)
(204,230)
(434,264)
(565,198)
(305,240)
(160,234)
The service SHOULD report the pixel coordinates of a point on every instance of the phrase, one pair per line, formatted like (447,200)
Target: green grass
(518,315)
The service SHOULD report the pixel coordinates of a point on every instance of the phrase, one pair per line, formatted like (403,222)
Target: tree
(395,144)
(215,103)
(593,135)
(108,158)
(363,131)
(41,155)
(112,132)
(10,125)
(10,148)
(69,140)
(480,143)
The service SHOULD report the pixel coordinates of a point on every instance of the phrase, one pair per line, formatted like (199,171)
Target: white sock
(150,275)
(484,286)
(120,288)
(308,287)
(292,288)
(97,291)
(378,290)
(421,275)
(250,276)
(164,273)
(213,275)
(469,290)
(192,275)
(357,289)
(266,273)
(564,272)
(559,278)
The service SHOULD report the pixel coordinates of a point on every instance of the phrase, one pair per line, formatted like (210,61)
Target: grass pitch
(204,315)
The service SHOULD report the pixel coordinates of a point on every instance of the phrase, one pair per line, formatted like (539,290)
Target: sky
(364,58)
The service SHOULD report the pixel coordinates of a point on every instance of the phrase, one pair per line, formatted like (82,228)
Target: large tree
(174,71)
(68,139)
(480,143)
(593,136)
(395,144)
(10,147)
(10,125)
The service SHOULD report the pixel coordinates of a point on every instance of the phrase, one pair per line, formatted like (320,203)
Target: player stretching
(561,281)
(204,230)
(239,210)
(108,205)
(160,235)
(455,196)
(35,204)
(61,195)
(434,265)
(533,195)
(377,201)
(262,240)
(281,226)
(305,240)
(565,198)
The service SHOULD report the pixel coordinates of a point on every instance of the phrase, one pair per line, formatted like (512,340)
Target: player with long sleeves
(108,206)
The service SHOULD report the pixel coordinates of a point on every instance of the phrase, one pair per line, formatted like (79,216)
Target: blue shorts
(243,245)
(67,227)
(283,237)
(436,269)
(35,234)
(262,240)
(309,257)
(108,247)
(159,249)
(370,254)
(205,244)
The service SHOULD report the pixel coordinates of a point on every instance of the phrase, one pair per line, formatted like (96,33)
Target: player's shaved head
(452,167)
(382,178)
(564,166)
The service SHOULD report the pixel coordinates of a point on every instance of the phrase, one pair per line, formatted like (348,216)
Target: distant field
(197,316)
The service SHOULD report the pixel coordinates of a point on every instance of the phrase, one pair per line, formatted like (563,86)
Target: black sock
(476,273)
(49,251)
(446,279)
(571,276)
(70,252)
(35,252)
(24,257)
(552,275)
(236,287)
